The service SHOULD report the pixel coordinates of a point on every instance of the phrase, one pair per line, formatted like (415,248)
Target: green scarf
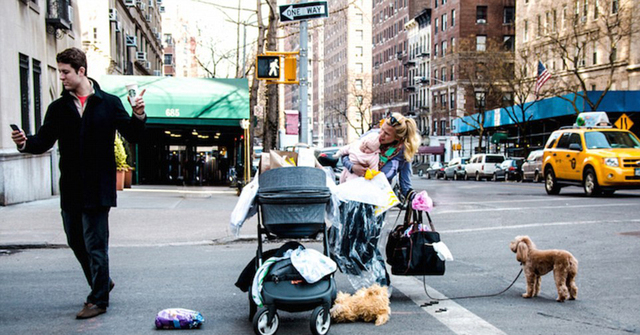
(387,153)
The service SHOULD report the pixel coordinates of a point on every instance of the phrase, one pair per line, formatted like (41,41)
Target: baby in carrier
(365,151)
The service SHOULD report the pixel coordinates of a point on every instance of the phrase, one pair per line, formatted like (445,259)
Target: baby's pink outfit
(357,156)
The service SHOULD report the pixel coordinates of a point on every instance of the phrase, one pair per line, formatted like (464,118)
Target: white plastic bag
(443,251)
(245,208)
(377,192)
(312,264)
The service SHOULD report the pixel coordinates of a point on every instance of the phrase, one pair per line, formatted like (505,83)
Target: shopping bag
(410,249)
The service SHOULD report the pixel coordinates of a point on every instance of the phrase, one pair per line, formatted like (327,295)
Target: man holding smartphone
(84,121)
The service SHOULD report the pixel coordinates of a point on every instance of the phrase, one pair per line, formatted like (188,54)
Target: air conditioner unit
(158,37)
(155,30)
(147,65)
(118,26)
(113,15)
(141,56)
(151,3)
(148,17)
(129,3)
(481,21)
(157,73)
(142,6)
(159,2)
(583,19)
(161,9)
(70,8)
(131,41)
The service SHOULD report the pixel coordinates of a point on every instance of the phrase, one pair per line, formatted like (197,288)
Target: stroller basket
(293,201)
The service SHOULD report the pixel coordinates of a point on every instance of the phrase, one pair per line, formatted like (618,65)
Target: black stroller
(292,203)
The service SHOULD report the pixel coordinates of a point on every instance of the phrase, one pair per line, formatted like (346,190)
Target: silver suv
(482,166)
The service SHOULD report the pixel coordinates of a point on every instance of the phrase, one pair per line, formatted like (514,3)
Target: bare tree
(590,47)
(211,64)
(480,74)
(354,107)
(270,134)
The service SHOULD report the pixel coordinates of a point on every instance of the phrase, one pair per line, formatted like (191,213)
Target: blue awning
(613,102)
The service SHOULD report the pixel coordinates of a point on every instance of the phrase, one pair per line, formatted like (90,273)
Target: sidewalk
(146,215)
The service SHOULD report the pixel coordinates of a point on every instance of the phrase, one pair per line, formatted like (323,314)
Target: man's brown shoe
(90,311)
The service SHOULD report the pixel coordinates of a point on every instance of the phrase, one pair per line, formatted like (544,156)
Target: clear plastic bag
(353,241)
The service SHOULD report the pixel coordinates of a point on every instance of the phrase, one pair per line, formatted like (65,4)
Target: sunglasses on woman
(393,121)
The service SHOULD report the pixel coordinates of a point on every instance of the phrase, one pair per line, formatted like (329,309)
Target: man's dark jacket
(87,159)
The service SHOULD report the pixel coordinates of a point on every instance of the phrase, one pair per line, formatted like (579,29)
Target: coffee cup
(132,92)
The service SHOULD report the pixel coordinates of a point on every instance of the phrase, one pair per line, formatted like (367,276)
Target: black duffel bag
(414,254)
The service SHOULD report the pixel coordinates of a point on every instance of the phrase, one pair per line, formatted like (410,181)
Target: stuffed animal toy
(367,304)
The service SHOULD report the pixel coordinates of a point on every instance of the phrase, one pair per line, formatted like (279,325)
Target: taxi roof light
(592,120)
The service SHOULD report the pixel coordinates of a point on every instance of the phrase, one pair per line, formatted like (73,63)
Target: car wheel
(428,175)
(420,173)
(466,176)
(536,177)
(455,176)
(550,183)
(494,177)
(590,183)
(444,176)
(477,176)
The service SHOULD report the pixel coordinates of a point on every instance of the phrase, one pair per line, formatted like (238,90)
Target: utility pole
(304,84)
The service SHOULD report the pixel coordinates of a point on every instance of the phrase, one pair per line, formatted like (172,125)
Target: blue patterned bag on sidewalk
(178,318)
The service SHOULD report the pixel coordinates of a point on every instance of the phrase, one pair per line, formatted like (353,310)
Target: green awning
(499,137)
(187,101)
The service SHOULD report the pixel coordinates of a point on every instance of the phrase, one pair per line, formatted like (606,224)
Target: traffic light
(268,67)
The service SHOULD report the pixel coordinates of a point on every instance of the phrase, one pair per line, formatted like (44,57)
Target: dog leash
(424,282)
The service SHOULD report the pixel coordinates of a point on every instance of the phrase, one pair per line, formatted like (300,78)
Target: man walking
(84,121)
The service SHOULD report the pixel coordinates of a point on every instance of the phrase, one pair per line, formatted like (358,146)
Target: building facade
(347,72)
(33,33)
(122,37)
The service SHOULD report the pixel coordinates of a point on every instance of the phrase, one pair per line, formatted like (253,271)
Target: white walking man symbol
(273,68)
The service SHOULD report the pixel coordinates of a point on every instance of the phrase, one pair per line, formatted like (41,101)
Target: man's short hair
(74,57)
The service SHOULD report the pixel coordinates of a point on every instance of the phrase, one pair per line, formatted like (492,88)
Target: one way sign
(304,11)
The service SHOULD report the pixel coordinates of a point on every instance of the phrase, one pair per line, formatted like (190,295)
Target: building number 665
(172,112)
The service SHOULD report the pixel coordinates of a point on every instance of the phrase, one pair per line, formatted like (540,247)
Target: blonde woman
(354,241)
(399,141)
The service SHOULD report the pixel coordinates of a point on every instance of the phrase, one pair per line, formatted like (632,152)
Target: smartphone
(14,127)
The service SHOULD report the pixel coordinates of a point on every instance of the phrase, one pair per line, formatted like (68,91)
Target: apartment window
(443,100)
(359,67)
(585,10)
(452,98)
(444,22)
(359,51)
(444,74)
(24,93)
(539,27)
(614,55)
(436,1)
(564,16)
(554,24)
(444,48)
(436,26)
(435,51)
(359,18)
(435,74)
(95,34)
(481,43)
(614,6)
(453,17)
(453,43)
(360,35)
(453,70)
(508,42)
(358,84)
(596,9)
(443,127)
(481,14)
(509,15)
(547,23)
(37,94)
(168,59)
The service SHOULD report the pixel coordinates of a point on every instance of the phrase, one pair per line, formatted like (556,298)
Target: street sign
(624,122)
(304,11)
(268,67)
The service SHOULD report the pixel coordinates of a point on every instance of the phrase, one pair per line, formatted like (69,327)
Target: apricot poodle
(367,304)
(537,263)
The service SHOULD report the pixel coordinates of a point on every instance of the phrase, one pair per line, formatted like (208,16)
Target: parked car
(593,155)
(435,170)
(455,169)
(482,166)
(510,169)
(532,167)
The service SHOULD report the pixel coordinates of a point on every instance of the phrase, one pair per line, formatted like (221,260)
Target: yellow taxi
(593,155)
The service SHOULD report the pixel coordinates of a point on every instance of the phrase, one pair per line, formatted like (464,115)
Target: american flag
(543,76)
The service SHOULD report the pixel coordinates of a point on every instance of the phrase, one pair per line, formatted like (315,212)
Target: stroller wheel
(320,321)
(261,324)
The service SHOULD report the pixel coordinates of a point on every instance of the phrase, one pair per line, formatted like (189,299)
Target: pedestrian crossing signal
(268,67)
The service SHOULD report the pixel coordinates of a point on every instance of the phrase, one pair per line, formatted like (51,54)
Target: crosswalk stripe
(457,318)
